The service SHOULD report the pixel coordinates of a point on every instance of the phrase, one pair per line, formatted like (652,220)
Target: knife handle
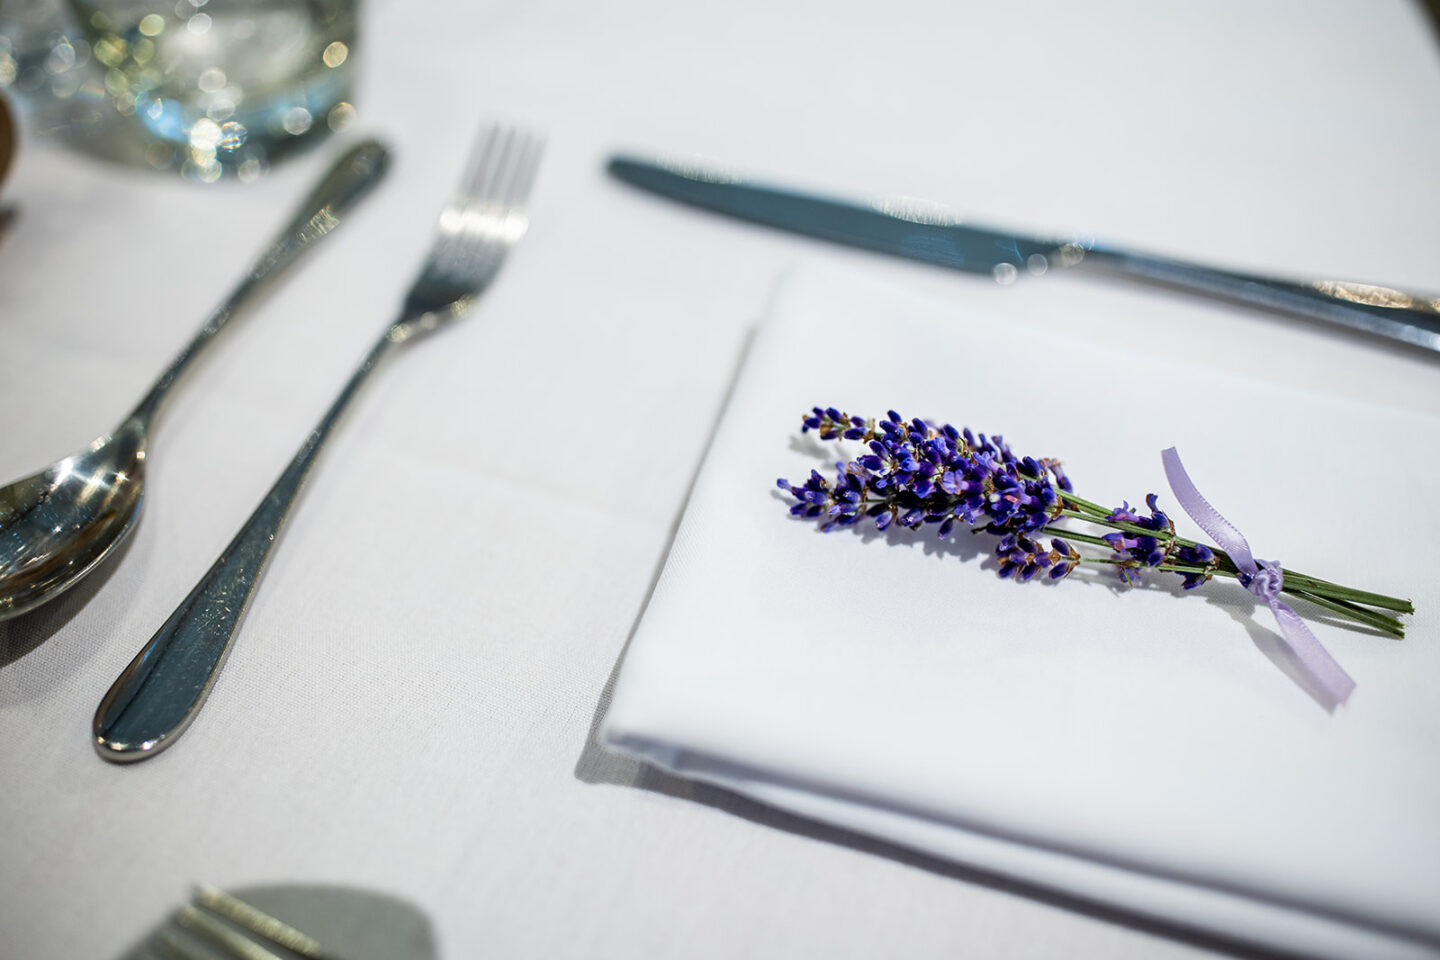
(1411,318)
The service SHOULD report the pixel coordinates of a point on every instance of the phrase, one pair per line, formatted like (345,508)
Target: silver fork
(214,921)
(158,694)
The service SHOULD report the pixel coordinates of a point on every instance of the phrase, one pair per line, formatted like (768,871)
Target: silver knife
(905,230)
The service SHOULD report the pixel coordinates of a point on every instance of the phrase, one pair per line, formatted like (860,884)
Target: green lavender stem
(1345,601)
(1387,625)
(1302,581)
(1370,618)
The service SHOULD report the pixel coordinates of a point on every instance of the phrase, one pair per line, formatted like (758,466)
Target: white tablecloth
(410,707)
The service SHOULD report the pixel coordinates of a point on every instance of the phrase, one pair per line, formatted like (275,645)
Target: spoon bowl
(57,525)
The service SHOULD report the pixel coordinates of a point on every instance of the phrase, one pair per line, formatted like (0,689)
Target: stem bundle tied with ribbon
(914,473)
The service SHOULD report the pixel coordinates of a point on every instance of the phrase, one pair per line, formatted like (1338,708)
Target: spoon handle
(348,181)
(158,694)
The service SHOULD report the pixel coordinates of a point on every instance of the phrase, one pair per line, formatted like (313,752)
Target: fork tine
(216,924)
(505,194)
(470,211)
(526,182)
(519,176)
(257,921)
(488,142)
(484,219)
(502,138)
(484,205)
(168,946)
(215,932)
(519,197)
(489,223)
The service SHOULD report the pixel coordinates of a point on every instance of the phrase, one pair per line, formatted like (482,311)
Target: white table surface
(411,704)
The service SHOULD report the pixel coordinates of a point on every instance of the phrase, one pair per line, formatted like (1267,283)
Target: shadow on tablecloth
(26,632)
(598,767)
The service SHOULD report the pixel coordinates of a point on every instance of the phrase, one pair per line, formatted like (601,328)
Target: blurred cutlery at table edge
(926,232)
(7,139)
(214,921)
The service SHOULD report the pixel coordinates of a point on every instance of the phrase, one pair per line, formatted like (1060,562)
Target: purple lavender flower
(913,473)
(1133,550)
(1024,558)
(1139,550)
(1156,521)
(1197,555)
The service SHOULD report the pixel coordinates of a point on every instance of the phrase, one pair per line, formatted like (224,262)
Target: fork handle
(349,180)
(158,694)
(1409,318)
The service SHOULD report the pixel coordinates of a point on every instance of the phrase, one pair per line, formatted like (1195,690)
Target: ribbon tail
(1263,579)
(1206,517)
(1323,668)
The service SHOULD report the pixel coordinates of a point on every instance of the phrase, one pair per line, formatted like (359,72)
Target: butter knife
(907,230)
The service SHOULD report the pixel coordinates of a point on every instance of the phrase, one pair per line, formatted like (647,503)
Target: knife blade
(889,227)
(904,230)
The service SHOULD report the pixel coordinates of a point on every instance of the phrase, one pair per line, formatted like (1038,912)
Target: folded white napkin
(1136,747)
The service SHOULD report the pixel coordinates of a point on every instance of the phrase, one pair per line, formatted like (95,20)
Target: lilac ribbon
(1263,578)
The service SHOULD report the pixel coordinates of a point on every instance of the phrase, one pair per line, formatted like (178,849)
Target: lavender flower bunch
(914,474)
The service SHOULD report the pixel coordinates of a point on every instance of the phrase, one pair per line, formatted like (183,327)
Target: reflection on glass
(208,87)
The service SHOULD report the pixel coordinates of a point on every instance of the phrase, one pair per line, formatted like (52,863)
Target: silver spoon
(58,524)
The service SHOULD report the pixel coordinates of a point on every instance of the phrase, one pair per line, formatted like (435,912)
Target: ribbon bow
(1263,578)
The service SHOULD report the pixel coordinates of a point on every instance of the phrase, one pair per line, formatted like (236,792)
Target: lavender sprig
(914,474)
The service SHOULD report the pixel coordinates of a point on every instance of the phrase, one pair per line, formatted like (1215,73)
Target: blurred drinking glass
(224,85)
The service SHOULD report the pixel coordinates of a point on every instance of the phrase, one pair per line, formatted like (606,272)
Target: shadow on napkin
(348,922)
(599,767)
(1432,9)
